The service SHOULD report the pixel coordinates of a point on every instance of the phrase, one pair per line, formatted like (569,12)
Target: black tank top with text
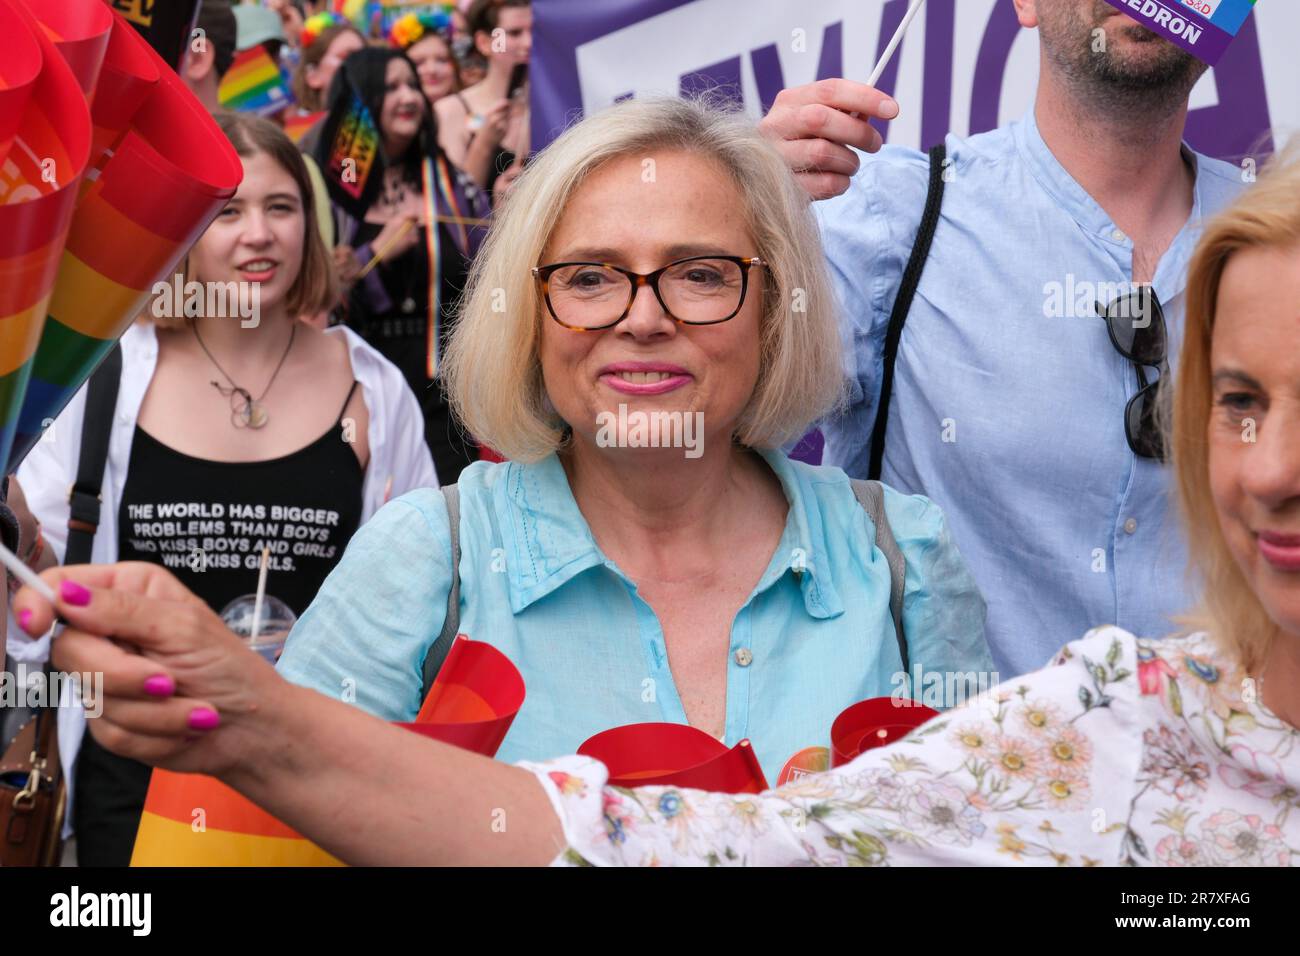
(207,521)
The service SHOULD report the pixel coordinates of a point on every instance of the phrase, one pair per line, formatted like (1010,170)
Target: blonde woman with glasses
(648,324)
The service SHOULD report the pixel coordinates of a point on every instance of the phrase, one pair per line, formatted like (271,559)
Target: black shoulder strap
(96,430)
(451,621)
(903,304)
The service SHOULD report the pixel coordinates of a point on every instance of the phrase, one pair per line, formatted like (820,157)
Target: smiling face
(647,361)
(404,106)
(432,59)
(258,236)
(1254,429)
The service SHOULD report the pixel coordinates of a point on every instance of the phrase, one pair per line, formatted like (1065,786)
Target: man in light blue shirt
(1008,404)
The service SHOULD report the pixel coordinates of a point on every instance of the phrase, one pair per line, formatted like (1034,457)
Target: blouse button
(743,657)
(1131,525)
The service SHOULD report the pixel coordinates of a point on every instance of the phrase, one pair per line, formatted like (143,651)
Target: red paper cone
(20,64)
(874,723)
(474,700)
(663,754)
(79,30)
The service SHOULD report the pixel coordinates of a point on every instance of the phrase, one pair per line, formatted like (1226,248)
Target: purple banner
(586,56)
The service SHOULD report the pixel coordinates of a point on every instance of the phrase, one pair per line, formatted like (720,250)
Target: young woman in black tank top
(252,433)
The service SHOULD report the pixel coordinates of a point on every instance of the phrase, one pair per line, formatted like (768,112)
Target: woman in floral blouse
(1174,752)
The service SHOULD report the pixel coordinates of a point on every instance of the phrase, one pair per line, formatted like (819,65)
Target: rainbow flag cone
(195,820)
(874,723)
(163,171)
(678,755)
(38,189)
(474,699)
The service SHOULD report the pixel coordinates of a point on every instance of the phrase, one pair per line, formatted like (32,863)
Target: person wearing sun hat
(257,24)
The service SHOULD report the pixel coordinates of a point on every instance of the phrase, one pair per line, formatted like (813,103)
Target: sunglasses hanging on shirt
(1136,323)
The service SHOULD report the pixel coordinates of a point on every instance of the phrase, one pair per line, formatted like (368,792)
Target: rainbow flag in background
(159,171)
(195,820)
(254,84)
(298,124)
(351,162)
(1204,28)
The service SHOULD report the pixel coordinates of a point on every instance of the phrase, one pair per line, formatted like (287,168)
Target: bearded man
(1021,394)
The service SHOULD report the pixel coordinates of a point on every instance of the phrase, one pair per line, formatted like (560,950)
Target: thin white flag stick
(893,44)
(25,574)
(257,600)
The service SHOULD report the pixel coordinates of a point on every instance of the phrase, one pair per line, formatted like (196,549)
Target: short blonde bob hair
(492,371)
(1266,216)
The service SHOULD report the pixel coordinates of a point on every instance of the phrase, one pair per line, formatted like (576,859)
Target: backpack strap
(903,304)
(84,498)
(451,622)
(871,495)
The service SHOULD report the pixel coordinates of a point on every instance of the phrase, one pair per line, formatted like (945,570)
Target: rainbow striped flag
(38,190)
(254,84)
(352,164)
(297,124)
(195,820)
(158,171)
(1204,28)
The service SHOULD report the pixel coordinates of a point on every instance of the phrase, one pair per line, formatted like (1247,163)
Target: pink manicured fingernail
(160,685)
(74,593)
(204,718)
(24,617)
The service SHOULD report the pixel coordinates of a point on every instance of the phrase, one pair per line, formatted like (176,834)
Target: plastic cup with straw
(261,619)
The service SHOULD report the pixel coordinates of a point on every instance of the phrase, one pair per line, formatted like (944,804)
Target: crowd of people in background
(756,590)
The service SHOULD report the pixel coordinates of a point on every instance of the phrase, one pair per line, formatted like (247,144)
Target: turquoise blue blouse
(814,636)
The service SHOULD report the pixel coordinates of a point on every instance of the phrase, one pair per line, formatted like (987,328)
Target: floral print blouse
(1122,751)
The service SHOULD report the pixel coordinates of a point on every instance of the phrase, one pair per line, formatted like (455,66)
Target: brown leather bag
(32,794)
